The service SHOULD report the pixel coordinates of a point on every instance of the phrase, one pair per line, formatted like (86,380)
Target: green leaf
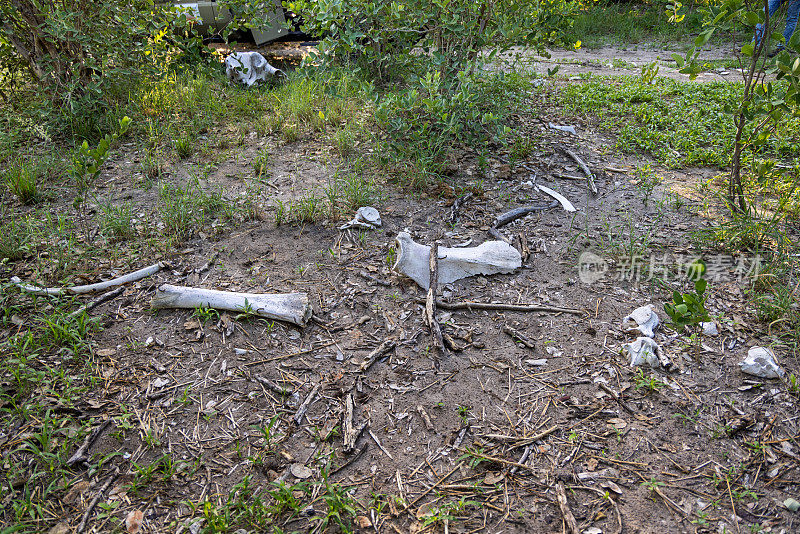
(700,286)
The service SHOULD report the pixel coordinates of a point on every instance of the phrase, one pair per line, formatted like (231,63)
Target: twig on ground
(94,501)
(80,455)
(114,293)
(585,168)
(518,336)
(425,417)
(457,204)
(376,354)
(301,411)
(430,301)
(505,307)
(569,519)
(380,446)
(350,432)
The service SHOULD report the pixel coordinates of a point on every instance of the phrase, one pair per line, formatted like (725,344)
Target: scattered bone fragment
(761,362)
(641,321)
(366,218)
(91,288)
(645,350)
(293,308)
(566,204)
(249,67)
(710,328)
(491,257)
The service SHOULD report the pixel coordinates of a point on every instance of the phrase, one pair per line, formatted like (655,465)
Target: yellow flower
(577,45)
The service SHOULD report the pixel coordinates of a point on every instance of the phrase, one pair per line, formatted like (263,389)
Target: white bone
(645,350)
(249,68)
(761,362)
(491,257)
(91,288)
(366,217)
(566,204)
(642,321)
(290,307)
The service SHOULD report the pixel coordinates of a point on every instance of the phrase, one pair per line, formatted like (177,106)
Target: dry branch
(430,301)
(585,168)
(518,336)
(468,305)
(569,519)
(350,432)
(373,356)
(92,288)
(293,308)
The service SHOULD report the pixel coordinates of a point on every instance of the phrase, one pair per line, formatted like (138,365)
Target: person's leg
(772,6)
(792,11)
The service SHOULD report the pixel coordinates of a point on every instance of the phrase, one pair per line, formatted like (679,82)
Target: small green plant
(117,221)
(184,145)
(205,314)
(260,163)
(647,383)
(86,164)
(688,309)
(14,238)
(652,484)
(22,180)
(649,73)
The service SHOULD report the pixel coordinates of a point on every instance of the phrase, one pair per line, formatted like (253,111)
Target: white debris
(490,257)
(249,68)
(568,129)
(761,362)
(642,321)
(644,350)
(541,362)
(367,218)
(300,471)
(710,328)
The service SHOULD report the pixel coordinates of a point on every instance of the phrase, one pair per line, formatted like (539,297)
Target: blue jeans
(792,13)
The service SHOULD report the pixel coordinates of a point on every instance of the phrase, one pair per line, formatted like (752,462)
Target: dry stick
(613,503)
(505,307)
(616,397)
(584,168)
(430,301)
(459,202)
(569,519)
(425,417)
(301,411)
(518,336)
(380,446)
(92,288)
(352,459)
(375,355)
(435,485)
(290,355)
(114,293)
(80,454)
(349,431)
(93,503)
(521,442)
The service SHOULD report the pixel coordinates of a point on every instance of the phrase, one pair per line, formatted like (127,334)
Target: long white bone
(491,257)
(290,307)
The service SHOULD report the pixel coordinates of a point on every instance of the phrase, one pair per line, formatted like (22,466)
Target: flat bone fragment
(641,321)
(289,307)
(491,257)
(645,350)
(566,204)
(366,217)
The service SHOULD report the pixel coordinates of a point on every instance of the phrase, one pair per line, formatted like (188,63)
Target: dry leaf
(106,352)
(134,521)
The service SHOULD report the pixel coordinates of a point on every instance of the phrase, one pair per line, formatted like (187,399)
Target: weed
(15,236)
(117,221)
(185,209)
(205,314)
(652,484)
(648,383)
(290,133)
(22,179)
(260,163)
(184,145)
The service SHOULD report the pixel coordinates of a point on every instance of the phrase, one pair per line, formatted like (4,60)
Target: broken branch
(468,305)
(585,168)
(430,301)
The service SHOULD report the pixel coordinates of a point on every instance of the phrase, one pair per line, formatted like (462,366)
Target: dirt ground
(484,438)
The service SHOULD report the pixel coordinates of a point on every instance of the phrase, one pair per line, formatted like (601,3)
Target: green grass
(677,123)
(630,23)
